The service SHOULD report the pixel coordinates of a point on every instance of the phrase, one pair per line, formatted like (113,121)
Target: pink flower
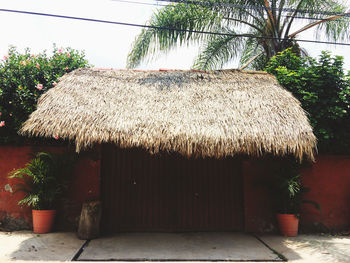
(54,83)
(60,51)
(37,65)
(39,86)
(2,123)
(32,55)
(68,55)
(56,137)
(5,57)
(66,68)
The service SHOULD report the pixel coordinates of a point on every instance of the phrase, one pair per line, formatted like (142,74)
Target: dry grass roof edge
(208,114)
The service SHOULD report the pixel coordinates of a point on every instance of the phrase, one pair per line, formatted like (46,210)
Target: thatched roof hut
(214,114)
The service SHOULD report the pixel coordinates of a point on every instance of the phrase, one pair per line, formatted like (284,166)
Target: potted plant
(289,192)
(43,183)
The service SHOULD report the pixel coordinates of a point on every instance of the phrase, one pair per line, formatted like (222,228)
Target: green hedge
(323,88)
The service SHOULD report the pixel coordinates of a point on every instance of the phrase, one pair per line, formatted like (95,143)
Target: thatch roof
(215,114)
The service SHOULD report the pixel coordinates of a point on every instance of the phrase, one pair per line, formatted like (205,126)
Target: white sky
(105,45)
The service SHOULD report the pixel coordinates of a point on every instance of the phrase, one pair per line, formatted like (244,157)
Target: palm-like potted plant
(289,192)
(43,183)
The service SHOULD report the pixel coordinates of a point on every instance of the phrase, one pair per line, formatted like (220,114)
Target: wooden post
(89,223)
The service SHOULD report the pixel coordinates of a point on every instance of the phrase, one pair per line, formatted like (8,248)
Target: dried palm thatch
(214,114)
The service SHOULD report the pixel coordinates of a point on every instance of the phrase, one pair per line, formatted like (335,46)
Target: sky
(105,45)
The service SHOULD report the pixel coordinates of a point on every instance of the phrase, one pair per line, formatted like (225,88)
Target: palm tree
(254,31)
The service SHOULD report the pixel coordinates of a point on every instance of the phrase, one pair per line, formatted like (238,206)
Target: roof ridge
(179,70)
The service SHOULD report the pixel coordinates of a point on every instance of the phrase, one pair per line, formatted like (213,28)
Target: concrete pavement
(26,246)
(311,248)
(226,246)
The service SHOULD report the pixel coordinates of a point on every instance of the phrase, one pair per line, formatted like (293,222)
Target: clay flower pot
(43,220)
(288,224)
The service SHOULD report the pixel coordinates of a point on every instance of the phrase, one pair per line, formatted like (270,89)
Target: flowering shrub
(23,78)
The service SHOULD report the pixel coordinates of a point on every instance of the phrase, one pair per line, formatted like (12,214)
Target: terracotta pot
(43,220)
(288,224)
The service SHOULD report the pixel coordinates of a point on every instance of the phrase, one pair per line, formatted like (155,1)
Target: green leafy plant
(323,88)
(288,188)
(43,179)
(24,77)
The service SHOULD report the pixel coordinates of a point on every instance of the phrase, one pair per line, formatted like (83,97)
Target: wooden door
(168,193)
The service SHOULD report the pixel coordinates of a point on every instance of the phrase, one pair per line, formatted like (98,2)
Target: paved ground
(182,246)
(311,248)
(26,246)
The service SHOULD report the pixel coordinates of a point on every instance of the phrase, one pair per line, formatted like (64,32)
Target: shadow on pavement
(315,248)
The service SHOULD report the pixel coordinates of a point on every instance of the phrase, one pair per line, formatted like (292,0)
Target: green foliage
(272,27)
(23,78)
(288,188)
(43,179)
(182,16)
(323,88)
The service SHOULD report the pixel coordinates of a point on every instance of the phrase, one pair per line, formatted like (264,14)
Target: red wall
(329,182)
(328,178)
(12,215)
(84,185)
(258,205)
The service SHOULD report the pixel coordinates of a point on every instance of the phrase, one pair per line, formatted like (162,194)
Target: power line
(139,3)
(203,3)
(166,28)
(160,5)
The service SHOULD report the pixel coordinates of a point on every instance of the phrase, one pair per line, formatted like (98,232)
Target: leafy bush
(323,88)
(288,188)
(43,179)
(23,78)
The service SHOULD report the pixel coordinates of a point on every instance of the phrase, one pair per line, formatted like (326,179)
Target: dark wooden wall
(167,192)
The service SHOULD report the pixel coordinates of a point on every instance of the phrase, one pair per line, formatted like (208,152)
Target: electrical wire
(247,7)
(139,3)
(203,3)
(165,28)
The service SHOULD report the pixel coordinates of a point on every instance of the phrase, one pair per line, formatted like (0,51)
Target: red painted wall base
(328,178)
(84,185)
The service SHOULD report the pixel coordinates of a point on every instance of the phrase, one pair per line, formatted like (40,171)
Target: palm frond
(251,48)
(264,18)
(336,29)
(252,9)
(218,50)
(30,200)
(187,18)
(315,204)
(293,185)
(254,53)
(42,179)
